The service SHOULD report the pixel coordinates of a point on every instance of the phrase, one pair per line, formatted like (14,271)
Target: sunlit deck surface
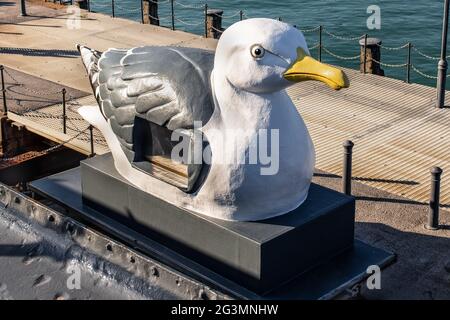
(398,134)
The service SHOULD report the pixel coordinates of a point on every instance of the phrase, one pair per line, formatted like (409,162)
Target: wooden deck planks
(398,134)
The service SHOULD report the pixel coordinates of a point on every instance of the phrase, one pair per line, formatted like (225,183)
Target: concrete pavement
(63,32)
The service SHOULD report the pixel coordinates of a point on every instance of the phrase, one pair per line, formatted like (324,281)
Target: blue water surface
(402,21)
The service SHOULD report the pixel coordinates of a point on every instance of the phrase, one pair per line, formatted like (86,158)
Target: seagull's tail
(90,59)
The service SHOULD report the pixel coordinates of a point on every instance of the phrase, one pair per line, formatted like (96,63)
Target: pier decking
(47,122)
(398,134)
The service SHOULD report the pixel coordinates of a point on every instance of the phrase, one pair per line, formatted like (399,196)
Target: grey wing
(168,86)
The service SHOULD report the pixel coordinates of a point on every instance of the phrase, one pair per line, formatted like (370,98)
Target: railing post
(443,65)
(112,9)
(433,216)
(91,133)
(347,168)
(23,9)
(241,15)
(5,108)
(142,11)
(320,42)
(89,5)
(173,14)
(206,20)
(408,64)
(365,52)
(64,110)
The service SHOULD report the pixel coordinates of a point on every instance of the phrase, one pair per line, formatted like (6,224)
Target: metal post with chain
(5,108)
(408,63)
(172,13)
(63,91)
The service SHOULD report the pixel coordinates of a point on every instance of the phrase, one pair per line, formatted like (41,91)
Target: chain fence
(99,4)
(189,6)
(232,16)
(316,46)
(159,18)
(217,30)
(160,1)
(87,134)
(29,90)
(341,37)
(68,121)
(421,53)
(315,29)
(389,65)
(189,23)
(423,74)
(320,31)
(339,56)
(130,10)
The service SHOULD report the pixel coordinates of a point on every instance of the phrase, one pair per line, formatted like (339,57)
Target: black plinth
(257,255)
(322,282)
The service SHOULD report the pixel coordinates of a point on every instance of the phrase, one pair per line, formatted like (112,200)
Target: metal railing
(68,103)
(172,21)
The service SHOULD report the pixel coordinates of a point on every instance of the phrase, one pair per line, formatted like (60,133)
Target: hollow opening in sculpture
(153,146)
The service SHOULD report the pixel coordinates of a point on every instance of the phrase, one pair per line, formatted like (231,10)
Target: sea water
(395,22)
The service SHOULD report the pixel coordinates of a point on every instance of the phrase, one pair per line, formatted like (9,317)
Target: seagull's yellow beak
(307,68)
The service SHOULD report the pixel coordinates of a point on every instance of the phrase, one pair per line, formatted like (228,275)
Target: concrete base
(248,253)
(322,282)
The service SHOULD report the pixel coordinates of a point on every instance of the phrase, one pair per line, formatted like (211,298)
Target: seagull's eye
(257,51)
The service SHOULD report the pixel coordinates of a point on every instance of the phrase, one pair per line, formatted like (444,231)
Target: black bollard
(23,8)
(433,216)
(64,110)
(347,168)
(5,108)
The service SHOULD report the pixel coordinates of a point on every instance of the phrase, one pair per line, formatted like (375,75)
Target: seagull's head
(265,55)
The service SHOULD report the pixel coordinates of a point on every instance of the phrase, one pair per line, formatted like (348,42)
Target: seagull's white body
(250,98)
(249,194)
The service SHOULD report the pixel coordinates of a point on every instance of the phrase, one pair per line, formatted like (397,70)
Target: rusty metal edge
(105,248)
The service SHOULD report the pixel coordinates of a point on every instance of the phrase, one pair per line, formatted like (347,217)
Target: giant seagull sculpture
(147,93)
